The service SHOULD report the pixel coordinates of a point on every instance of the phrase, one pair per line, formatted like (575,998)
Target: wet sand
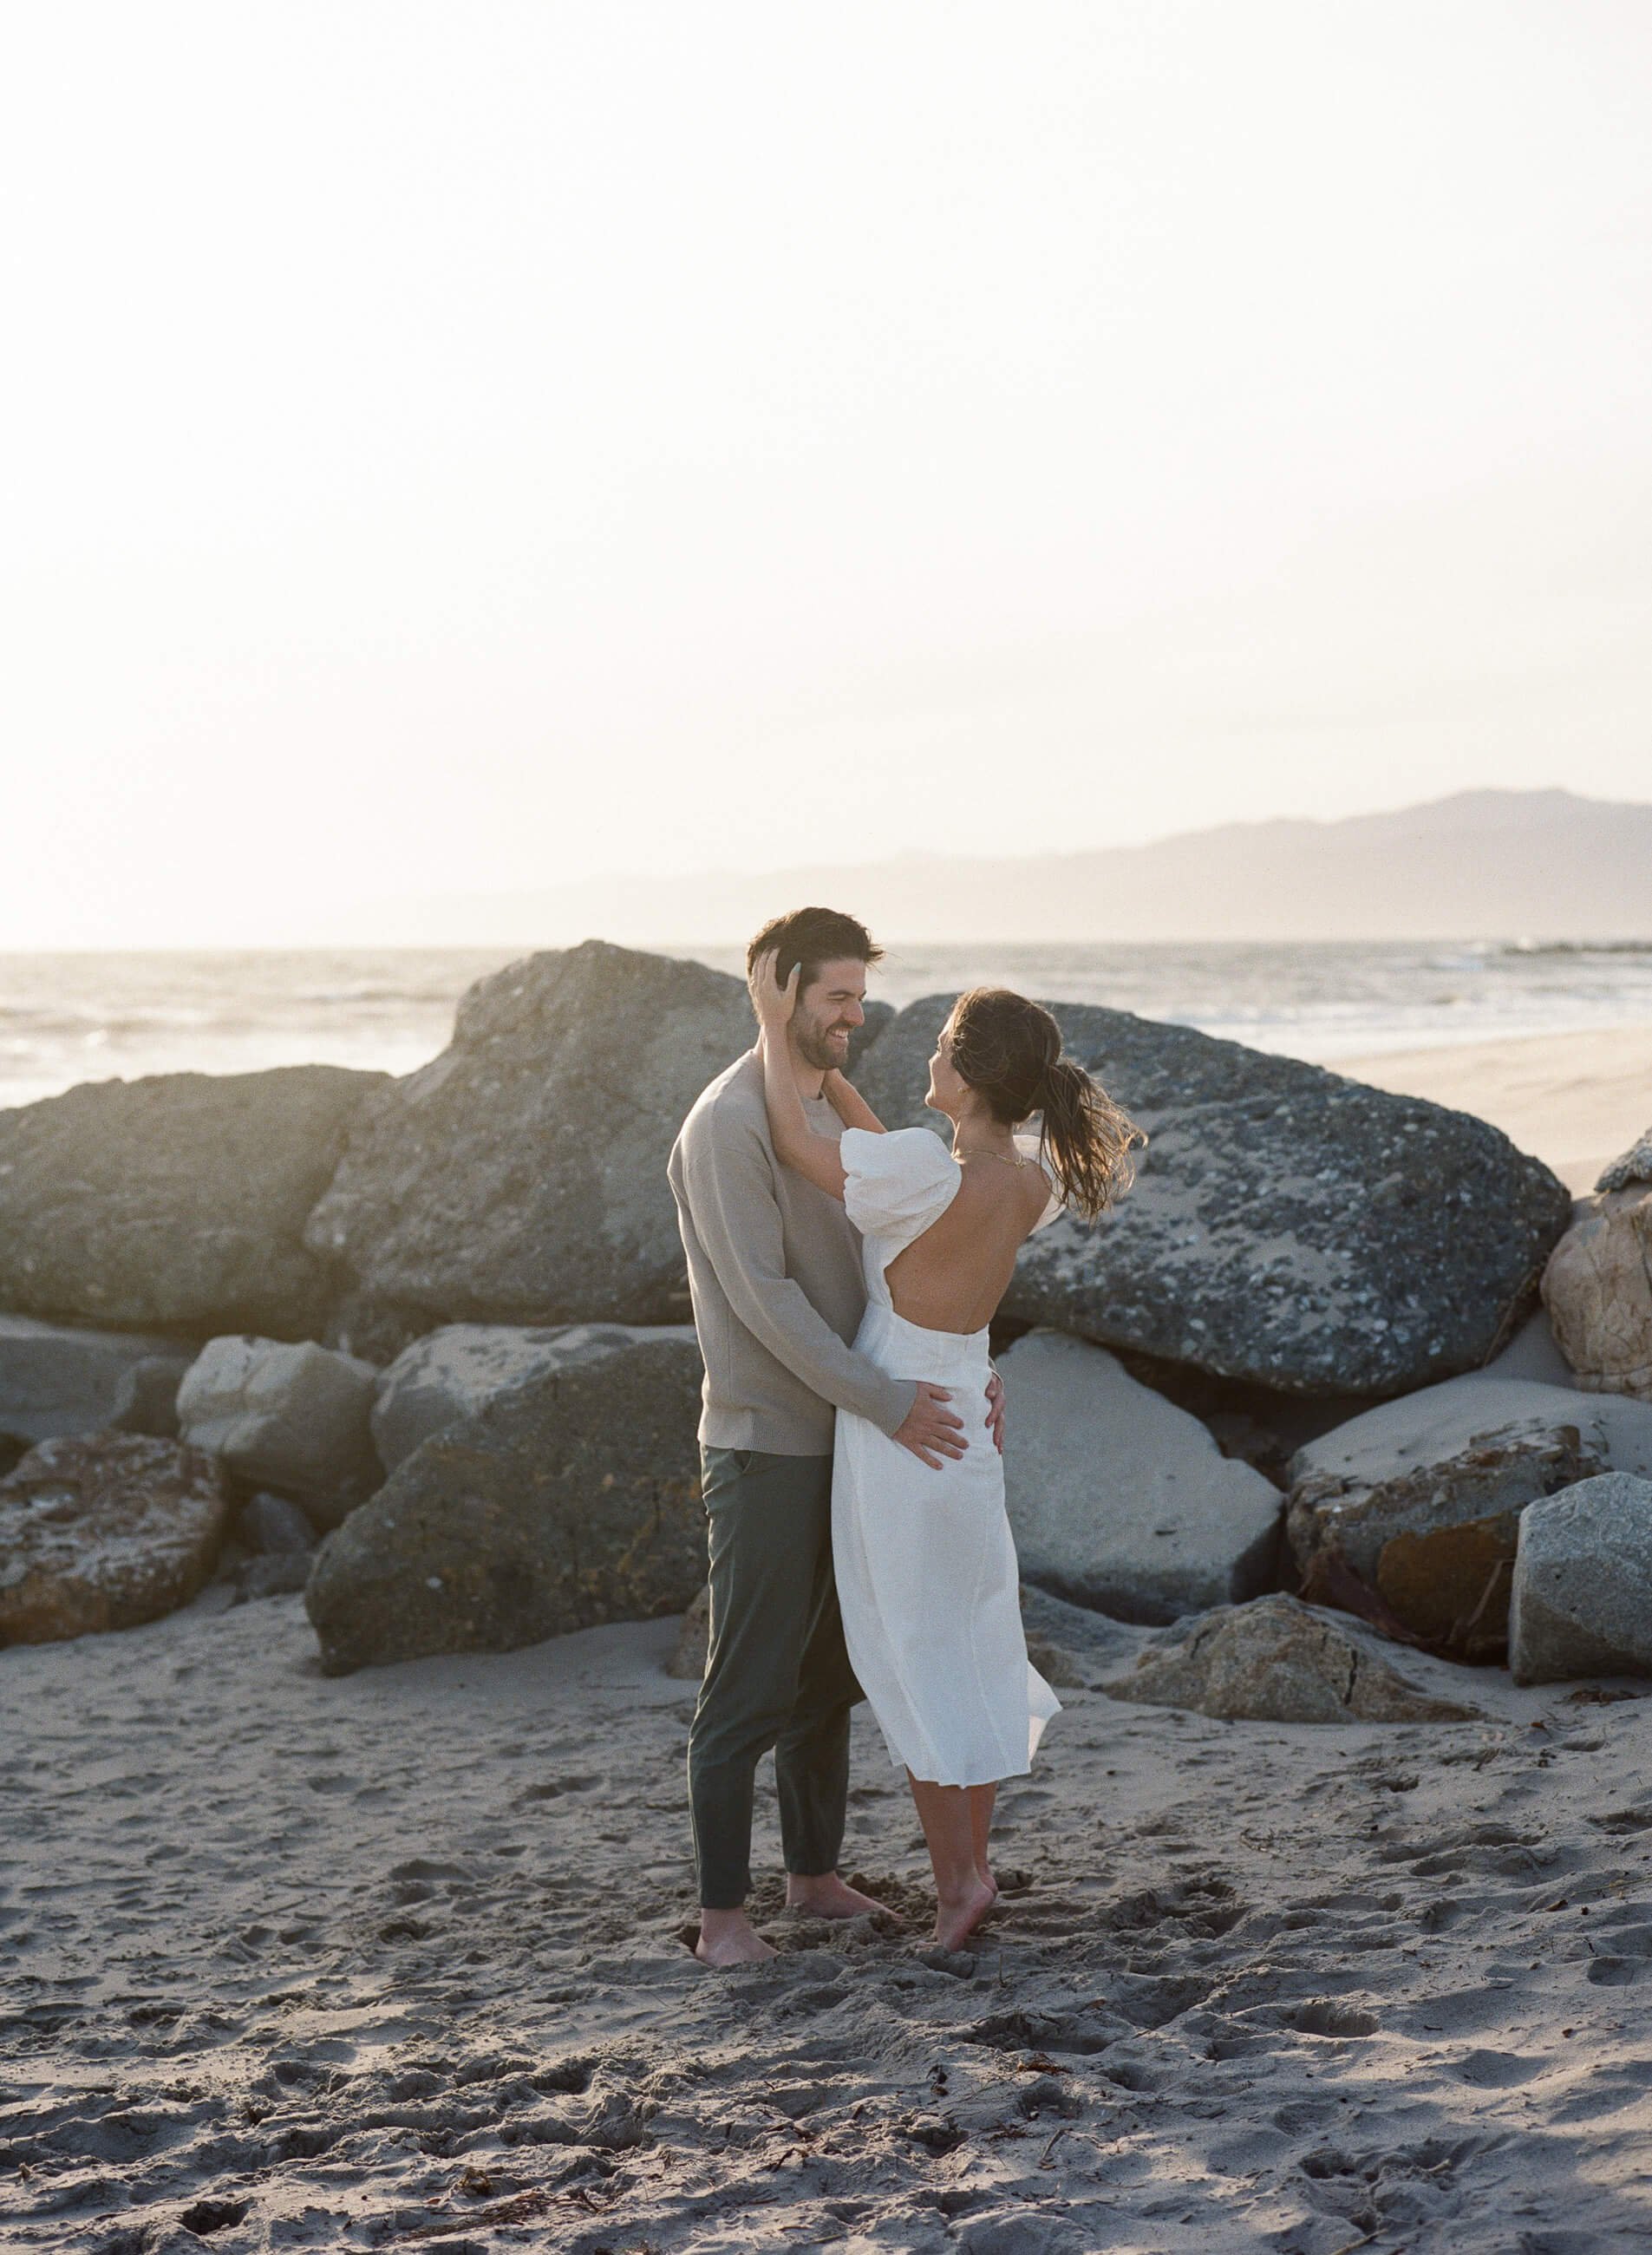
(395,1961)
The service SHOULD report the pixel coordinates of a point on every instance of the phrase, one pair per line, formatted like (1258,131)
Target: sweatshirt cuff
(899,1394)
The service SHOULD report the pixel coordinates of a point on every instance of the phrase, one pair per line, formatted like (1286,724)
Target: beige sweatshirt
(774,1265)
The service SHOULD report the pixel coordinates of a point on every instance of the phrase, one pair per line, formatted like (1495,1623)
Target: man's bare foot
(827,1896)
(728,1937)
(956,1921)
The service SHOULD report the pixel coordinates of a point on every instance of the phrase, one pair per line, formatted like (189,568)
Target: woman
(924,1561)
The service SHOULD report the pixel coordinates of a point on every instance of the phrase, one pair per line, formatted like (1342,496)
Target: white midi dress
(926,1563)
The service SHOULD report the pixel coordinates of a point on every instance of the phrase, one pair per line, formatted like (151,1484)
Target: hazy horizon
(1453,870)
(459,454)
(1493,866)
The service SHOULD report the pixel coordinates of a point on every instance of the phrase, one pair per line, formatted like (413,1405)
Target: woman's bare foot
(827,1896)
(987,1879)
(956,1920)
(728,1937)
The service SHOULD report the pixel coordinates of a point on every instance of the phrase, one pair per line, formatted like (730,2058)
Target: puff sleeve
(895,1185)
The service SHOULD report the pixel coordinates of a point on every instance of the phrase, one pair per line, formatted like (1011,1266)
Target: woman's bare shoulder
(988,1188)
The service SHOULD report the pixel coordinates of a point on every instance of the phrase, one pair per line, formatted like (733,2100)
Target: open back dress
(926,1562)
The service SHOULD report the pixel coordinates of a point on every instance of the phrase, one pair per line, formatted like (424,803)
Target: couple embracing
(843,1280)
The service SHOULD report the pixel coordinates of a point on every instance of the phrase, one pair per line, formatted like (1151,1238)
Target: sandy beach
(1575,1100)
(402,1957)
(395,1960)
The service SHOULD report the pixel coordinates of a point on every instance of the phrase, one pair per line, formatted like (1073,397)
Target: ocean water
(70,1018)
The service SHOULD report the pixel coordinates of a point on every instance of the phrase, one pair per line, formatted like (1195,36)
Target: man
(774,1265)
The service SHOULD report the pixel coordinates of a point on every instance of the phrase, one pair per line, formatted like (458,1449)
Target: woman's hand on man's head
(773,999)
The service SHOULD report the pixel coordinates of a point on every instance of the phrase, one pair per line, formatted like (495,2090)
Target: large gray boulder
(1582,1601)
(1598,1290)
(178,1202)
(1420,1500)
(1278,1661)
(103,1534)
(293,1416)
(1120,1501)
(563,1502)
(1286,1225)
(56,1379)
(520,1178)
(452,1372)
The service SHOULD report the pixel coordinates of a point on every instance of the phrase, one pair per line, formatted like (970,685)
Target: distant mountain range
(1543,865)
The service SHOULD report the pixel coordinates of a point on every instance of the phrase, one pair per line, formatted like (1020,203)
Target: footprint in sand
(206,2217)
(1626,1960)
(1458,2011)
(1623,1821)
(553,1788)
(1323,2017)
(1206,1906)
(426,1867)
(821,1998)
(1496,2070)
(1045,2032)
(1298,2116)
(1610,2090)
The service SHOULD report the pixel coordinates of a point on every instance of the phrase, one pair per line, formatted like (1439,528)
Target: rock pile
(497,1228)
(1287,1226)
(1417,1504)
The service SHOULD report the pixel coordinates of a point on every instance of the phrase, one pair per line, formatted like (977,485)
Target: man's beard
(824,1051)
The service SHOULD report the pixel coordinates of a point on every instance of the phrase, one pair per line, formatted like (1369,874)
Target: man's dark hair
(813,936)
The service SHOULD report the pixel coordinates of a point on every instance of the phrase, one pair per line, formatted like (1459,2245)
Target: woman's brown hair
(1009,1051)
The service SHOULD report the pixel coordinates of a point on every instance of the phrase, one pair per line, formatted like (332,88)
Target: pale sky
(450,448)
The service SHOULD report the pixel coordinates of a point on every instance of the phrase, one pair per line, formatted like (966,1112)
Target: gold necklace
(1016,1159)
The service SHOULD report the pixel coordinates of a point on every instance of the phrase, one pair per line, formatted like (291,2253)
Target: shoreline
(71,1020)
